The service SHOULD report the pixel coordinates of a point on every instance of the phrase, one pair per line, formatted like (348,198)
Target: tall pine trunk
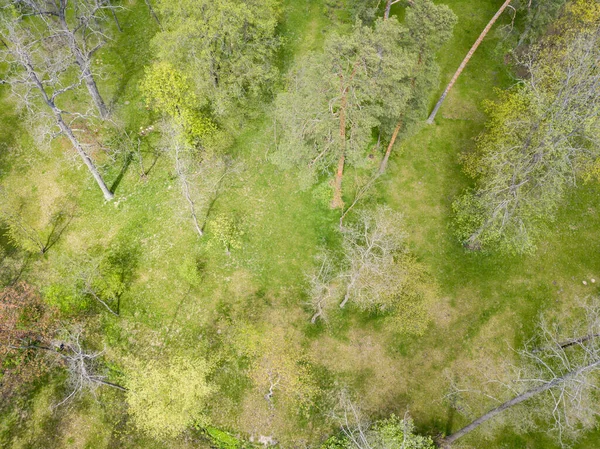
(464,62)
(338,202)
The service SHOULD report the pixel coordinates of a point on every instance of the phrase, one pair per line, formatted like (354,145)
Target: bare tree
(362,433)
(83,366)
(466,60)
(40,66)
(322,291)
(374,278)
(202,176)
(79,26)
(559,373)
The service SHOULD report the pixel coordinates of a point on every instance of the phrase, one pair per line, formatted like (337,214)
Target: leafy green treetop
(166,398)
(227,46)
(170,92)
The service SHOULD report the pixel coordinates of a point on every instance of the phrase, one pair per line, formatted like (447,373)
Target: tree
(540,137)
(430,26)
(84,367)
(336,98)
(378,273)
(78,24)
(39,65)
(166,398)
(381,275)
(466,60)
(169,92)
(26,323)
(558,375)
(31,340)
(538,15)
(228,47)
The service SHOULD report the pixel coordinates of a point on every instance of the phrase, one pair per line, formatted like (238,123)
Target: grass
(188,296)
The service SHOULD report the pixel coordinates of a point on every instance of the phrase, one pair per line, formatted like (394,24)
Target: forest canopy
(326,224)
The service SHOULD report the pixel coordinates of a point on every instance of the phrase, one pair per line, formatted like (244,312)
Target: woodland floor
(486,303)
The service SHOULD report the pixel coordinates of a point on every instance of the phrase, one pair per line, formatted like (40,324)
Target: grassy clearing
(187,294)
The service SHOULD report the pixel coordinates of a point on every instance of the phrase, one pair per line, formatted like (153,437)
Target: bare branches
(82,366)
(566,369)
(41,71)
(322,291)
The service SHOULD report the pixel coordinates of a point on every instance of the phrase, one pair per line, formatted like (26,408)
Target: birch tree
(79,25)
(39,77)
(541,136)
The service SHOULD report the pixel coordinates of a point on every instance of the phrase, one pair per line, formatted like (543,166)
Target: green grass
(187,295)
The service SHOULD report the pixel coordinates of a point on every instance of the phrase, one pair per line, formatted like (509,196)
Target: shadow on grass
(119,178)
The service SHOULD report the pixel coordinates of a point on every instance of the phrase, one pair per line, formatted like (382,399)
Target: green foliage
(65,299)
(170,92)
(226,46)
(540,136)
(165,398)
(359,84)
(390,433)
(226,231)
(222,440)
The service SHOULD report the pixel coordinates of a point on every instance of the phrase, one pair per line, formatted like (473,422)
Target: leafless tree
(79,24)
(202,176)
(373,277)
(83,366)
(40,72)
(323,290)
(558,375)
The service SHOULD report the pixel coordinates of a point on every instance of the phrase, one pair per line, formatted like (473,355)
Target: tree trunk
(83,61)
(388,6)
(90,83)
(384,162)
(108,195)
(446,442)
(149,5)
(338,202)
(466,60)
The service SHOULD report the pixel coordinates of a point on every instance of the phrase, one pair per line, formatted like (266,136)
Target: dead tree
(565,369)
(465,61)
(79,27)
(322,290)
(374,278)
(40,66)
(83,366)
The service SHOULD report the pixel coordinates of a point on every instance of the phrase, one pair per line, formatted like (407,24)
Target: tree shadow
(119,178)
(60,222)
